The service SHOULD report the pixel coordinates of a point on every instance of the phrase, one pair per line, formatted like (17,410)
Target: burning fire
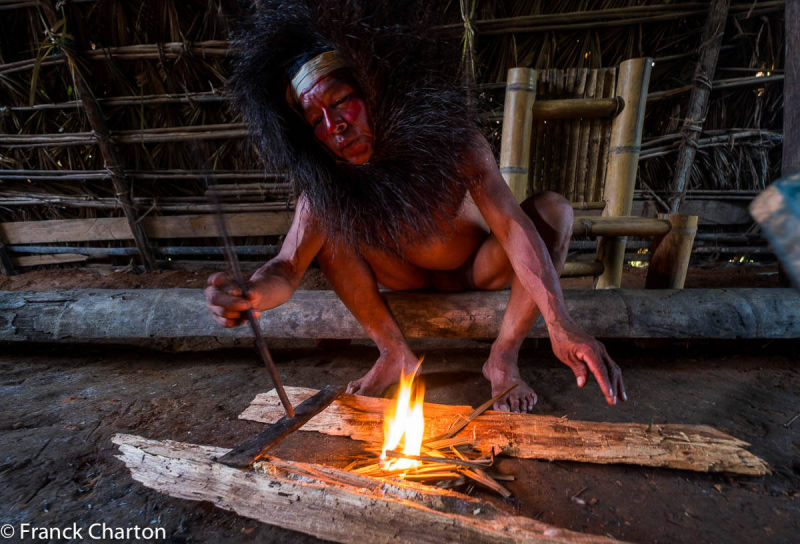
(405,422)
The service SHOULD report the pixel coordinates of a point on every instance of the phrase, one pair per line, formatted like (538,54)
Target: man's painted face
(337,113)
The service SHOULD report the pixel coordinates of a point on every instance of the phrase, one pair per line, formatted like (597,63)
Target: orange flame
(404,421)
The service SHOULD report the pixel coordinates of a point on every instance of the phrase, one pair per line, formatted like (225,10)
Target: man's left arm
(533,267)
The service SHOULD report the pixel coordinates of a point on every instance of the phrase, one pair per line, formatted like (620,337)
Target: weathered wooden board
(58,258)
(689,447)
(245,224)
(329,503)
(168,226)
(136,314)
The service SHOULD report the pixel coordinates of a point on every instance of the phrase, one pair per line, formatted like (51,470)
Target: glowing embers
(404,421)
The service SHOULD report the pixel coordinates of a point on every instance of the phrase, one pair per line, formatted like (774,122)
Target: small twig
(576,495)
(789,423)
(478,411)
(442,460)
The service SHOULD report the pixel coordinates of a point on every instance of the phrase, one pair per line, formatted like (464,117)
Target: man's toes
(501,406)
(353,387)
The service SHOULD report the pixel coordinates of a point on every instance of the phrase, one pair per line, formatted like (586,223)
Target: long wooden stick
(238,277)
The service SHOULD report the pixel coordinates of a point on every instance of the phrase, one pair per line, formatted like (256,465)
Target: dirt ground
(61,405)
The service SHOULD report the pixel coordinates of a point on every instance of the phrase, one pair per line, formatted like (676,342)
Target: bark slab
(689,447)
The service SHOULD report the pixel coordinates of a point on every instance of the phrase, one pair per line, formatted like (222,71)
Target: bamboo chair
(578,132)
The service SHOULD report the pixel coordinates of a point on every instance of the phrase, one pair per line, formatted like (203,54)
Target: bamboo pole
(719,84)
(791,91)
(575,269)
(618,226)
(624,146)
(582,168)
(575,137)
(710,42)
(108,149)
(517,127)
(145,100)
(670,254)
(576,108)
(634,15)
(82,175)
(136,136)
(178,251)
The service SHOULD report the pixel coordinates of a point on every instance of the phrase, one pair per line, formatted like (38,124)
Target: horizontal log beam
(143,314)
(688,447)
(328,503)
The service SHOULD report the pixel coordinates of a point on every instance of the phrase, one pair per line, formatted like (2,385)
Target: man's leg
(553,217)
(354,281)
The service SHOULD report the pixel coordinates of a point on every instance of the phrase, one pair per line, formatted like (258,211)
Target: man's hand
(578,351)
(225,300)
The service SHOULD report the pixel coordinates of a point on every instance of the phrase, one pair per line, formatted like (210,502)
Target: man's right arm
(276,281)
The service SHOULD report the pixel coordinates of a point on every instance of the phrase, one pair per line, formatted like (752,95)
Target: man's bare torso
(456,245)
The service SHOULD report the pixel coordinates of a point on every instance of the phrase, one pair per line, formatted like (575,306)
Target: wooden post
(108,148)
(623,161)
(515,147)
(670,254)
(710,43)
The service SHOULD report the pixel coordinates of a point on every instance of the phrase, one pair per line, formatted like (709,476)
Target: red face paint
(338,115)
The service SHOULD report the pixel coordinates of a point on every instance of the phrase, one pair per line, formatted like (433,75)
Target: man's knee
(551,210)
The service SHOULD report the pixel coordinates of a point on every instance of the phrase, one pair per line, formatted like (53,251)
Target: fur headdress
(412,184)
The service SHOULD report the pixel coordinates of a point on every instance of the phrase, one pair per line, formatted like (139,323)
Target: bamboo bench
(578,132)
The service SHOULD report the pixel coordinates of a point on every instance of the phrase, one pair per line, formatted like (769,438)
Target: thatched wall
(157,69)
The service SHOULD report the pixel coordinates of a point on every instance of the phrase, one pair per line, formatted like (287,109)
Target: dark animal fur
(412,183)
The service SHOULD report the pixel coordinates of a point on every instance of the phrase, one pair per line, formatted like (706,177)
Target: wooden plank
(116,228)
(328,503)
(144,314)
(59,258)
(241,224)
(689,447)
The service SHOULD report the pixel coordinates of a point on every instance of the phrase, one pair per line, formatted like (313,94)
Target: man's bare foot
(384,372)
(502,371)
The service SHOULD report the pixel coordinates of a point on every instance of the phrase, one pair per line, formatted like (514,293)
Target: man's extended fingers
(600,371)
